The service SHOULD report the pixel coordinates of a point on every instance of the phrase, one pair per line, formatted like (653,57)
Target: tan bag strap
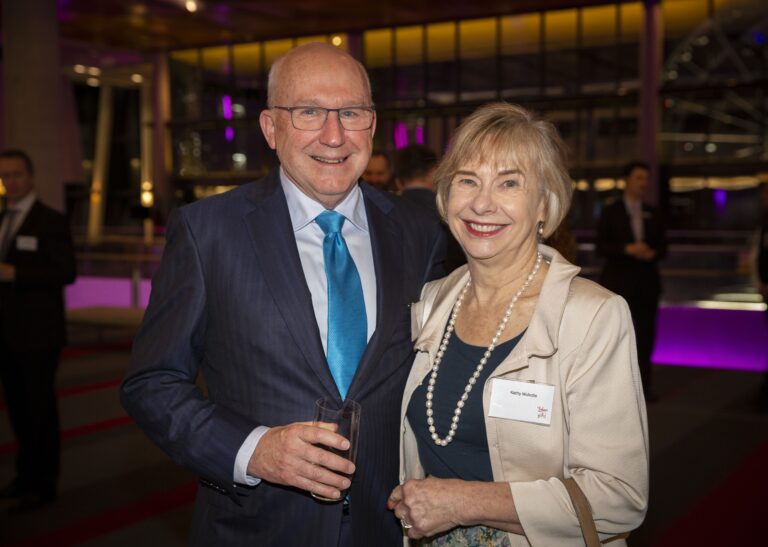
(584,514)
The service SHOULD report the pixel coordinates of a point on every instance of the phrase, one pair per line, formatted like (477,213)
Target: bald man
(242,296)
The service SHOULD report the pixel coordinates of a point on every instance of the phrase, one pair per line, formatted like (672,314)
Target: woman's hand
(429,506)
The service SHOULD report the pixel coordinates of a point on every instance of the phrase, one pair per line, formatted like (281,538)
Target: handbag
(584,514)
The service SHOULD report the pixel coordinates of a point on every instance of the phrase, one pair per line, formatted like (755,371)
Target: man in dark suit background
(631,237)
(242,297)
(36,260)
(414,166)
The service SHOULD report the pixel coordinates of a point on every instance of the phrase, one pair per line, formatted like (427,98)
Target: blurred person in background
(415,166)
(631,238)
(378,173)
(37,260)
(525,373)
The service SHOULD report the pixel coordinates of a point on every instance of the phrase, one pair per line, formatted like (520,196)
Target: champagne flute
(347,421)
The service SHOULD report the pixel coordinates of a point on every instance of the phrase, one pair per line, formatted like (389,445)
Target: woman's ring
(405,524)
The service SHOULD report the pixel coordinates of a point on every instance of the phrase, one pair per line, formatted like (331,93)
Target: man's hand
(640,250)
(7,272)
(291,455)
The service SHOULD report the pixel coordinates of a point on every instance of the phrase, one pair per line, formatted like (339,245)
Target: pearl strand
(472,379)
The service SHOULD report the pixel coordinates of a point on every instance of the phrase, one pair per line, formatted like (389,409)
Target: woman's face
(493,210)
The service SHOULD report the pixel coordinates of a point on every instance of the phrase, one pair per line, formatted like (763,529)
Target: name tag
(26,243)
(521,401)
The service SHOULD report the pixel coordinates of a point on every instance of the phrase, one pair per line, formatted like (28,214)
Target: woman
(525,374)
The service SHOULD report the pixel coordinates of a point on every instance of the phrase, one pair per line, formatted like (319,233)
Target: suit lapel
(386,234)
(270,229)
(27,227)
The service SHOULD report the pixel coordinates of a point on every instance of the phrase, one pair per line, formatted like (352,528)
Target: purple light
(686,336)
(720,198)
(226,107)
(709,338)
(87,291)
(229,133)
(401,135)
(419,134)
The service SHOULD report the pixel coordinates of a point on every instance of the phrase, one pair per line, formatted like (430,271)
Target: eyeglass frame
(290,110)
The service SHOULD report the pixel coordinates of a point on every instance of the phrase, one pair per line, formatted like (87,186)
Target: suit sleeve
(57,267)
(437,255)
(160,390)
(608,241)
(607,448)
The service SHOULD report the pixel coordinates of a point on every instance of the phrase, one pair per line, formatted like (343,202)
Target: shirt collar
(303,209)
(24,204)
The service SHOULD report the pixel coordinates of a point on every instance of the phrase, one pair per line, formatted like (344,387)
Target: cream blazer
(580,339)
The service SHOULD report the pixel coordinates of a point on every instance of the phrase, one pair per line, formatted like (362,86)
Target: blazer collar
(540,338)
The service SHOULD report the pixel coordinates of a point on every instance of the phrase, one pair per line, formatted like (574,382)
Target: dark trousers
(28,380)
(644,305)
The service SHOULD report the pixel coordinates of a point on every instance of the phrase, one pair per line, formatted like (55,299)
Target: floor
(709,444)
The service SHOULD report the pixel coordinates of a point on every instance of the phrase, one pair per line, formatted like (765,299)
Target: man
(415,165)
(36,260)
(242,295)
(631,237)
(378,173)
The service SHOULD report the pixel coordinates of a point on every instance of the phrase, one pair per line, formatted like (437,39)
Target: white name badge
(26,243)
(522,401)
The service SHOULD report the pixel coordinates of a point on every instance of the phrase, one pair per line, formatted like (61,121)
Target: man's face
(17,180)
(324,164)
(637,183)
(378,173)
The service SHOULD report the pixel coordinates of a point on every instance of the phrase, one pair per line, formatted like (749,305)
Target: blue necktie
(347,324)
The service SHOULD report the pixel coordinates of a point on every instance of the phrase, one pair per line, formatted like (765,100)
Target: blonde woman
(525,374)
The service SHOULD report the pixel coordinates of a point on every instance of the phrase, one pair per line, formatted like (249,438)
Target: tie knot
(330,222)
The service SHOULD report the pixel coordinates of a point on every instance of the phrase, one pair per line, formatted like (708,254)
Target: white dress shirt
(635,210)
(22,208)
(309,240)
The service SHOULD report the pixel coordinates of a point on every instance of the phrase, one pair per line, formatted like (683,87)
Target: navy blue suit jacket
(230,301)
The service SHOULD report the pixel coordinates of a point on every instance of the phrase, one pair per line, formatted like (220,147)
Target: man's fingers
(323,434)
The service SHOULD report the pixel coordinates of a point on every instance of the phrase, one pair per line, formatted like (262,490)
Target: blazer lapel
(390,304)
(270,229)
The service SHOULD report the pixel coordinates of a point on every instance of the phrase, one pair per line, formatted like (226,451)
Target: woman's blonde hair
(509,135)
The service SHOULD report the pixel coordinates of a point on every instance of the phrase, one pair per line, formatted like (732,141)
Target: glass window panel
(562,59)
(187,57)
(521,57)
(520,34)
(598,26)
(599,55)
(274,49)
(629,46)
(185,84)
(247,60)
(560,29)
(378,48)
(409,45)
(477,38)
(216,60)
(682,16)
(441,42)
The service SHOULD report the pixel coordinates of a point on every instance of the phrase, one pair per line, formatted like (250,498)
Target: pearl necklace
(472,379)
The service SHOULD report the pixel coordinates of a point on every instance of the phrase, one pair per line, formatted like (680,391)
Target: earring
(540,231)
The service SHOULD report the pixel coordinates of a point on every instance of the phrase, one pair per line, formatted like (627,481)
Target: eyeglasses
(312,118)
